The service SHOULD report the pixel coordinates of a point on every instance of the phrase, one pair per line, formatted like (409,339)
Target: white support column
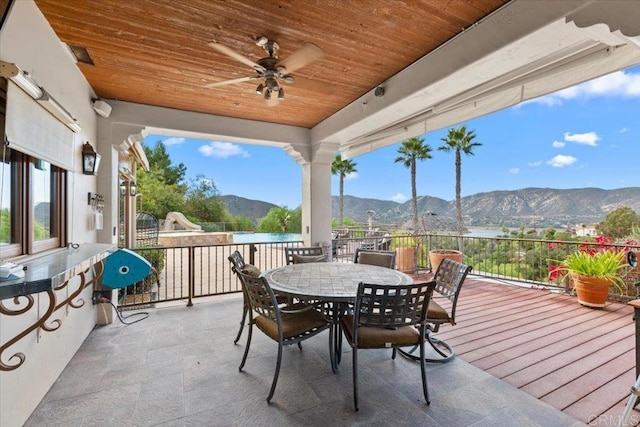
(316,190)
(110,135)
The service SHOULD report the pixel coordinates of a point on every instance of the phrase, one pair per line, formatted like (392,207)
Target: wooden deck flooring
(577,359)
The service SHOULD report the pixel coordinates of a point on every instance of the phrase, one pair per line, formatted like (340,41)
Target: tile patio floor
(179,367)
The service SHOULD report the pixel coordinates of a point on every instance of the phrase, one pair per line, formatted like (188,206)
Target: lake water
(484,232)
(292,237)
(265,237)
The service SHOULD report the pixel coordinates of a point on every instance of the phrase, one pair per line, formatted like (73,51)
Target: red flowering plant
(600,258)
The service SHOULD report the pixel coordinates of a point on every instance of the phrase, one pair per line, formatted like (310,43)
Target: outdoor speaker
(101,108)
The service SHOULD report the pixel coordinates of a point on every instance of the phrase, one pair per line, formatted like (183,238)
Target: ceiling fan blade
(231,81)
(313,86)
(235,55)
(308,53)
(273,102)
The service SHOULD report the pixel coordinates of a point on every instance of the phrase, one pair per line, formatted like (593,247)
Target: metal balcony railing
(185,273)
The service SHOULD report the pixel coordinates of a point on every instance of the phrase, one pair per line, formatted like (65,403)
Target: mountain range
(528,207)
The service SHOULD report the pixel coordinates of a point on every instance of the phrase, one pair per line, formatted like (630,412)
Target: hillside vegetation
(529,207)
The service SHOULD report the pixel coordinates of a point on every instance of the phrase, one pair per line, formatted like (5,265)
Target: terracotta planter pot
(437,255)
(406,259)
(591,291)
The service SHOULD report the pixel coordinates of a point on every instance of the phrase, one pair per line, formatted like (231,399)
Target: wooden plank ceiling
(155,52)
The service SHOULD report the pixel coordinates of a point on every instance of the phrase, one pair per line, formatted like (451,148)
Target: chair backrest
(449,278)
(391,306)
(260,295)
(379,258)
(295,255)
(237,261)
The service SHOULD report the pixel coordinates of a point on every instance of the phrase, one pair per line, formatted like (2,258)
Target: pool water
(266,237)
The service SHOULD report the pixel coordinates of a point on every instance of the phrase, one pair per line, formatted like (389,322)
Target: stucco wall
(28,41)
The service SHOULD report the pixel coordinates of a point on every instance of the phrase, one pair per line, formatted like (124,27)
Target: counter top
(50,271)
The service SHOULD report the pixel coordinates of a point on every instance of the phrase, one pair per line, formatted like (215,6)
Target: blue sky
(584,136)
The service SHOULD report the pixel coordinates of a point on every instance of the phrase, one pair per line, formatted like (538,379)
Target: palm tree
(410,151)
(460,140)
(342,168)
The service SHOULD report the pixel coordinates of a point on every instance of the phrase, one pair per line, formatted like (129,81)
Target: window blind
(34,131)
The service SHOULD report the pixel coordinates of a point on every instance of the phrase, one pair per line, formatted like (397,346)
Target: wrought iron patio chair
(381,244)
(237,264)
(286,325)
(388,316)
(374,257)
(449,278)
(301,255)
(304,254)
(384,244)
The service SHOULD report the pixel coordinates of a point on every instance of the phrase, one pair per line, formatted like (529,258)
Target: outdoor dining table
(333,283)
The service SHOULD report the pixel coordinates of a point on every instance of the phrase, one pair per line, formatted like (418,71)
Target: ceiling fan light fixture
(271,72)
(272,84)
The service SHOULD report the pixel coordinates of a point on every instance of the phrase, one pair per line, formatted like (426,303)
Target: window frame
(22,207)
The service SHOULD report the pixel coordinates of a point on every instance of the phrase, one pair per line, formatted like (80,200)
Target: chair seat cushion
(293,324)
(251,270)
(436,313)
(374,337)
(372,258)
(301,259)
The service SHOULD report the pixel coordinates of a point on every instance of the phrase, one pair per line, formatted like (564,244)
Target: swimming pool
(266,237)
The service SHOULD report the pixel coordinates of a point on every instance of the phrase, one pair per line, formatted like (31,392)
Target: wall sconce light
(90,160)
(133,188)
(31,87)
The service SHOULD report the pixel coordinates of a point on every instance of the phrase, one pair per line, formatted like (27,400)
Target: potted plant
(437,255)
(593,273)
(406,253)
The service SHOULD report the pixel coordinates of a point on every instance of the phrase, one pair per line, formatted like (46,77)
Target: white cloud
(589,138)
(619,84)
(534,164)
(558,144)
(350,176)
(624,130)
(547,100)
(399,197)
(514,170)
(560,161)
(174,141)
(222,150)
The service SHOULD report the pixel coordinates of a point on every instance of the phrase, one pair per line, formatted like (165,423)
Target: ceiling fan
(271,71)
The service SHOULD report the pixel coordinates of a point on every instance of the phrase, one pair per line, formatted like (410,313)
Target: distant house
(586,230)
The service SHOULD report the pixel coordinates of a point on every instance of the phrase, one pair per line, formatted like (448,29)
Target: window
(32,205)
